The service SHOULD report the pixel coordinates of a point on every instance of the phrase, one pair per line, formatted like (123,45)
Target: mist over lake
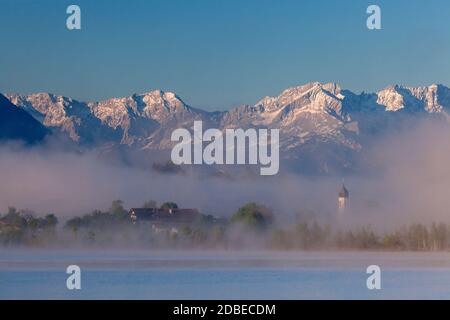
(225,275)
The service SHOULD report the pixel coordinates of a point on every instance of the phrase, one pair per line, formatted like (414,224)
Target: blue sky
(216,54)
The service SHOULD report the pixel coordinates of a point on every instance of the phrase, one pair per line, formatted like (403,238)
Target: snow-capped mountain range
(16,124)
(316,121)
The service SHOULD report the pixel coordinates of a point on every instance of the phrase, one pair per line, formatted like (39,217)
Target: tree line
(252,224)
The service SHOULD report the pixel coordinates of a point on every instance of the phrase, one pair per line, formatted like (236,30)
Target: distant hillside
(17,124)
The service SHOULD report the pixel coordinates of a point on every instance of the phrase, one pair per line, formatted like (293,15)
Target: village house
(164,219)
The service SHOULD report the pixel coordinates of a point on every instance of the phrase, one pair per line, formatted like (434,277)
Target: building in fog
(164,219)
(343,200)
(164,216)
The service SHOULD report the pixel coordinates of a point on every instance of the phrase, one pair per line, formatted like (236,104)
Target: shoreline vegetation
(252,226)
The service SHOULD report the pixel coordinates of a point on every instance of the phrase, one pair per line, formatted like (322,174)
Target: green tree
(319,235)
(118,211)
(217,234)
(418,237)
(254,216)
(303,235)
(14,218)
(74,223)
(393,241)
(51,220)
(169,205)
(438,236)
(365,238)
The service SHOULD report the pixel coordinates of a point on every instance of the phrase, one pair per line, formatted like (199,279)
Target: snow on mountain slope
(50,110)
(148,119)
(130,120)
(314,118)
(309,112)
(431,99)
(65,115)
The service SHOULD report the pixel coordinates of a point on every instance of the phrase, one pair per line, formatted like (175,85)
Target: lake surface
(223,275)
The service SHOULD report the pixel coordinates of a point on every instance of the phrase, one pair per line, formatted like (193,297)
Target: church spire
(343,200)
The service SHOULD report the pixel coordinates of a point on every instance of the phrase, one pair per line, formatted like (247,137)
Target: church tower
(343,199)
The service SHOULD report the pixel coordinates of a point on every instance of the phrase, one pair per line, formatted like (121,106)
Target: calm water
(200,275)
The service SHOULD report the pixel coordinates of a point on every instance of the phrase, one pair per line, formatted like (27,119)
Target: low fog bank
(67,184)
(408,181)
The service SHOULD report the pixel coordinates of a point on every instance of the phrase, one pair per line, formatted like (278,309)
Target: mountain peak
(161,96)
(434,98)
(312,98)
(17,124)
(307,112)
(313,86)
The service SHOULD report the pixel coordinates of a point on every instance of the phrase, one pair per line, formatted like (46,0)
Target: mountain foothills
(16,124)
(323,128)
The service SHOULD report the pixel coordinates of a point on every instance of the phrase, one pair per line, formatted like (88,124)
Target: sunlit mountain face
(323,128)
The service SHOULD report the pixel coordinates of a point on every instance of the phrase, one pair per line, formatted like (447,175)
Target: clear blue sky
(219,53)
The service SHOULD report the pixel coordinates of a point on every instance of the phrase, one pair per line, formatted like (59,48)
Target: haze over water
(223,275)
